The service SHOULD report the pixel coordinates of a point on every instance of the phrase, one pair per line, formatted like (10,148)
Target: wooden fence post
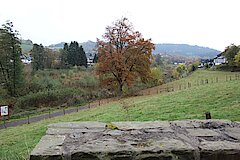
(208,115)
(28,120)
(4,122)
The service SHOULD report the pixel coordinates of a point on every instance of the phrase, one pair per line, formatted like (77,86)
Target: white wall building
(219,60)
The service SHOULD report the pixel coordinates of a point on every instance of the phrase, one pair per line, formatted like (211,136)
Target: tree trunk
(120,91)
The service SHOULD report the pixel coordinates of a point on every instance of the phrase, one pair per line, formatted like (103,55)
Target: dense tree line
(43,58)
(70,55)
(73,55)
(11,69)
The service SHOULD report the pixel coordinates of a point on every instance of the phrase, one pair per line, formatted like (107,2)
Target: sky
(208,23)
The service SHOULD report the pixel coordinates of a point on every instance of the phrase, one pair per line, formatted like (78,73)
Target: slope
(221,99)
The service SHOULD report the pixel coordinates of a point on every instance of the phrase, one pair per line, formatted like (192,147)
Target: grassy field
(26,47)
(200,77)
(222,99)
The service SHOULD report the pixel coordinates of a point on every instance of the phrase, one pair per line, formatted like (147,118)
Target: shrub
(44,83)
(88,81)
(157,76)
(51,98)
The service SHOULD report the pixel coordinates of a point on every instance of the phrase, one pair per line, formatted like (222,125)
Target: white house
(219,60)
(26,59)
(90,61)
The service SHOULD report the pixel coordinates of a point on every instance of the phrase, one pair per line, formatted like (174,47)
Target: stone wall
(158,140)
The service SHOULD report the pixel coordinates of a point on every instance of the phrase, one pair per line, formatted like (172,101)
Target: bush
(81,68)
(156,76)
(44,83)
(226,67)
(88,81)
(51,98)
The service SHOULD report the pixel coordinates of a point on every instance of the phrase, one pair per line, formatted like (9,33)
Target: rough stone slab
(211,123)
(77,125)
(219,145)
(142,125)
(233,133)
(199,132)
(50,146)
(176,140)
(219,150)
(63,131)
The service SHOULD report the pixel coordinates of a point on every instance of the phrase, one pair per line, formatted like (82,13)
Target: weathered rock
(49,147)
(233,133)
(177,140)
(219,150)
(198,132)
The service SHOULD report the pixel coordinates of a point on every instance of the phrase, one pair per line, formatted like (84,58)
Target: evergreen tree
(95,58)
(76,55)
(42,57)
(72,50)
(83,57)
(10,63)
(63,56)
(38,57)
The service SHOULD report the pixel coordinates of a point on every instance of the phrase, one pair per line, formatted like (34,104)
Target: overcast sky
(209,23)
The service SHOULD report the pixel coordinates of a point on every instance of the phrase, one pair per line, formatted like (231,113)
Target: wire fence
(185,84)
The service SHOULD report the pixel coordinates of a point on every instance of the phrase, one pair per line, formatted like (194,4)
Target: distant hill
(26,46)
(186,50)
(89,47)
(57,46)
(167,48)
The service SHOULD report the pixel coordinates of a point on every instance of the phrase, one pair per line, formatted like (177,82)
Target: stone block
(176,140)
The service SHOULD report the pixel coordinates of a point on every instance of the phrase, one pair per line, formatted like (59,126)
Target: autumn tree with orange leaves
(124,55)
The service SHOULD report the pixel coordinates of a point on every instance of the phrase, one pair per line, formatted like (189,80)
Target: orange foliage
(124,55)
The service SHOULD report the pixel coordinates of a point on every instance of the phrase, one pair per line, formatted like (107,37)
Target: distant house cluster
(90,59)
(218,60)
(26,59)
